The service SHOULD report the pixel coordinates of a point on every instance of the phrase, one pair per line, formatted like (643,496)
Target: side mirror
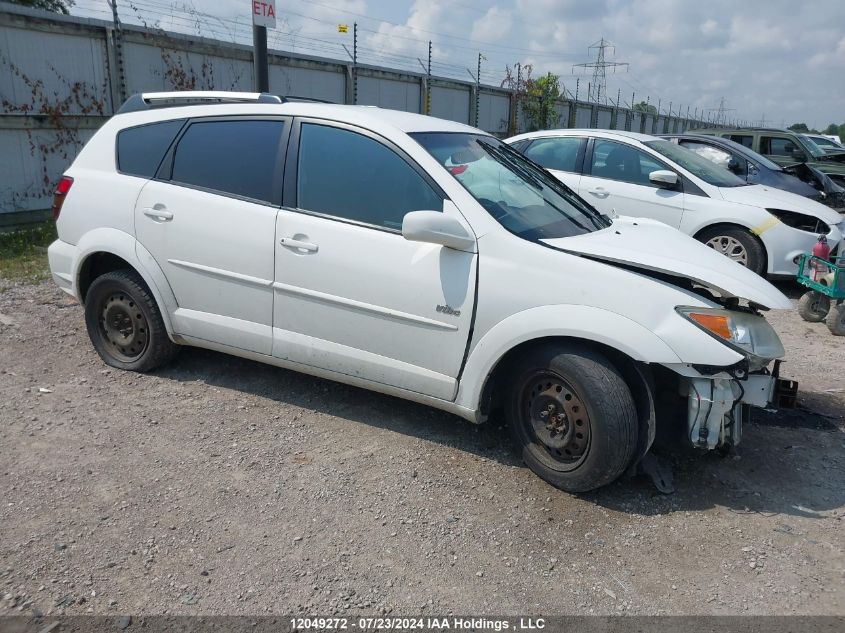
(435,227)
(664,178)
(797,154)
(733,165)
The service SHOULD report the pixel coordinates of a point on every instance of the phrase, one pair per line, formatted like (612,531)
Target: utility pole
(428,82)
(598,86)
(721,112)
(518,87)
(117,40)
(478,89)
(355,64)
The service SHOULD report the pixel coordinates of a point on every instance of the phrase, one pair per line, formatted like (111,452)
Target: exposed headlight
(800,221)
(749,334)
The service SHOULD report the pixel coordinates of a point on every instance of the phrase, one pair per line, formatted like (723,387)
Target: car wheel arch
(111,248)
(735,225)
(637,376)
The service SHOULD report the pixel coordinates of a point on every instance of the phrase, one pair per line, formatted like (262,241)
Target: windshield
(741,150)
(810,146)
(522,197)
(698,166)
(822,141)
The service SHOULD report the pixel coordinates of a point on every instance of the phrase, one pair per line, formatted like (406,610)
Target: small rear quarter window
(140,149)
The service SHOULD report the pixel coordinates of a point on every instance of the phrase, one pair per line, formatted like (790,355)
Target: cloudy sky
(782,59)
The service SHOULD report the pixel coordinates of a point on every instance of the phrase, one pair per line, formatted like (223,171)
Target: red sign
(264,13)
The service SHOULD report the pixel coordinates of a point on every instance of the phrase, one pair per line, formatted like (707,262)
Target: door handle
(289,242)
(159,214)
(599,192)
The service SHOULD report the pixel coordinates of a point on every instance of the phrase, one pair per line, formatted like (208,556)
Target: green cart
(825,299)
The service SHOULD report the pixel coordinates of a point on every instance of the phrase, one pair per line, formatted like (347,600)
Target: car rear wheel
(125,324)
(572,417)
(738,244)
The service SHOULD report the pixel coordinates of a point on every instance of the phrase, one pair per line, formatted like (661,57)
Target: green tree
(802,128)
(536,98)
(540,98)
(832,129)
(642,106)
(56,6)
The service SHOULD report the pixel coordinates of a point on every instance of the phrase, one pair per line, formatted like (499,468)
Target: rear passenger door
(616,179)
(563,156)
(208,218)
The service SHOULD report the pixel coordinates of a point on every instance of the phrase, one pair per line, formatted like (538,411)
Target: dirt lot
(222,486)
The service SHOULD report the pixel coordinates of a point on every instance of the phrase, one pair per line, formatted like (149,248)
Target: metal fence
(61,77)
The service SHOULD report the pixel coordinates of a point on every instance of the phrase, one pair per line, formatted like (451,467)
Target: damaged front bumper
(719,403)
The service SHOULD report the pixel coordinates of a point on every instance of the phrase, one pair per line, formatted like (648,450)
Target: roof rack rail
(294,98)
(150,100)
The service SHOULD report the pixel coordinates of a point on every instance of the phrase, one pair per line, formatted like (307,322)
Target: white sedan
(632,174)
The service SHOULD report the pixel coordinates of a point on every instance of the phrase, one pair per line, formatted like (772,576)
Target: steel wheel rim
(729,247)
(557,421)
(124,327)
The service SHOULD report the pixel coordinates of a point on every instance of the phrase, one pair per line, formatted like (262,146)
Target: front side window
(351,176)
(523,198)
(696,165)
(234,157)
(555,153)
(618,161)
(778,146)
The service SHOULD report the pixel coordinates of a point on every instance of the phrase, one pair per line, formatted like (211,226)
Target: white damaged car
(415,257)
(632,174)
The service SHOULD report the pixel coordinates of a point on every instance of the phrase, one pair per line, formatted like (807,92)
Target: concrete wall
(62,76)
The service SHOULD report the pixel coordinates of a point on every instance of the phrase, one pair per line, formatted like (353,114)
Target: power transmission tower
(721,112)
(598,87)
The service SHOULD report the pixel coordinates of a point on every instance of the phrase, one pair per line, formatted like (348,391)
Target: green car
(786,148)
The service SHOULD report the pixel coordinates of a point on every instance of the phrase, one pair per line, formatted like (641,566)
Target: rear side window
(743,139)
(234,157)
(140,149)
(555,153)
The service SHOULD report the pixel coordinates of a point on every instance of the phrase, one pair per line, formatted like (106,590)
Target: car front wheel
(572,416)
(737,244)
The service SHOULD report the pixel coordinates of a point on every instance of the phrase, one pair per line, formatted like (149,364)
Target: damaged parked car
(638,175)
(756,169)
(416,257)
(786,148)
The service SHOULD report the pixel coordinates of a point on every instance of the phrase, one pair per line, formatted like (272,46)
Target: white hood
(651,245)
(769,198)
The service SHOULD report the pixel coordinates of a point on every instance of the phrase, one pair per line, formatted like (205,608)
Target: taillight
(59,195)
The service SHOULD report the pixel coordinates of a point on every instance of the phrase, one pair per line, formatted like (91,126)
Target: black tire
(125,324)
(836,319)
(595,440)
(813,306)
(737,243)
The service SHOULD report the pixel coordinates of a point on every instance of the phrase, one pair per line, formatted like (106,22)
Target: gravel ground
(223,486)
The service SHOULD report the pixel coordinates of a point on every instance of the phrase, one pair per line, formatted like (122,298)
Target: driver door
(351,294)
